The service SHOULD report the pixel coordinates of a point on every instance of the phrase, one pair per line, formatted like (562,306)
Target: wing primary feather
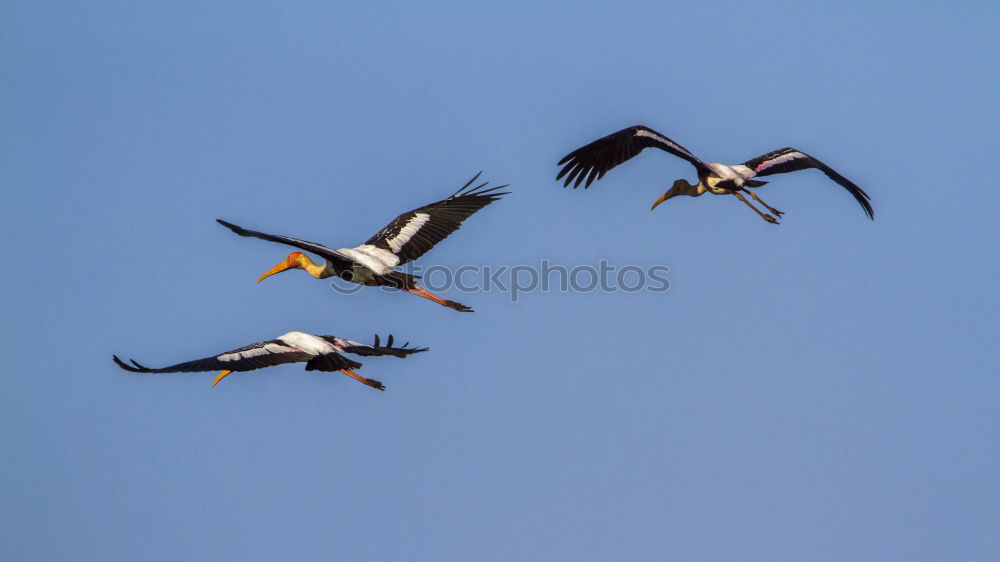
(123,364)
(468,183)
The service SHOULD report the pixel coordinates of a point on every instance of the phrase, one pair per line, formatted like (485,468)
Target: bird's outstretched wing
(328,254)
(791,160)
(412,234)
(254,356)
(592,161)
(377,348)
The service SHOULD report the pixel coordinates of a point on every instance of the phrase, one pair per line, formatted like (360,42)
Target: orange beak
(221,376)
(284,265)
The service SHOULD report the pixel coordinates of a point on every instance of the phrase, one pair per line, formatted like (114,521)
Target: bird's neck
(314,269)
(691,189)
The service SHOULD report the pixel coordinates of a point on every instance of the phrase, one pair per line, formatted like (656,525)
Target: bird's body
(715,182)
(320,353)
(591,162)
(405,239)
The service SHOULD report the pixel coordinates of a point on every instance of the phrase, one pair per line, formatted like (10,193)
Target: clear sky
(826,389)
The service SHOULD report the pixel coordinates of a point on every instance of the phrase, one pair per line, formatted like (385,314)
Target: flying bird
(320,353)
(591,162)
(404,239)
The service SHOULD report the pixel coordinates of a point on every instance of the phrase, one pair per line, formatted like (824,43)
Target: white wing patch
(407,232)
(724,172)
(664,140)
(307,342)
(743,171)
(779,160)
(255,352)
(374,258)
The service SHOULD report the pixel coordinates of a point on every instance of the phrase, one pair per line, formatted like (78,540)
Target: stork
(404,239)
(320,353)
(591,162)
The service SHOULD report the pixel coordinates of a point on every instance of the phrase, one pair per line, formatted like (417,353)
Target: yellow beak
(221,376)
(276,269)
(662,198)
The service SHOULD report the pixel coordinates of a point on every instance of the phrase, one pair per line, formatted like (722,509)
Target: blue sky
(821,390)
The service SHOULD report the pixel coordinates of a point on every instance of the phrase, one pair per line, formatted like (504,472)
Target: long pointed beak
(662,198)
(221,376)
(276,269)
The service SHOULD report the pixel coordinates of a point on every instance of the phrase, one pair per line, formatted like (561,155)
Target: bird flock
(412,234)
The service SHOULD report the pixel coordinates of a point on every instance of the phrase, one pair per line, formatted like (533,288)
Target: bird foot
(424,293)
(457,306)
(374,384)
(770,219)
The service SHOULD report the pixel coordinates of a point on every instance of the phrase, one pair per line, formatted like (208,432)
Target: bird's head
(680,187)
(295,260)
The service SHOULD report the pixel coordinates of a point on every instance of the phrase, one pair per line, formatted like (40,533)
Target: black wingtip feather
(140,365)
(391,347)
(482,192)
(231,226)
(468,183)
(574,169)
(137,369)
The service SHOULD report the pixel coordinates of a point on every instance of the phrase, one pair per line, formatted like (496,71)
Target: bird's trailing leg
(221,376)
(769,208)
(764,216)
(370,382)
(424,293)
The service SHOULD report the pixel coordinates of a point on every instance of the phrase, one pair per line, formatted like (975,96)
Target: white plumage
(313,345)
